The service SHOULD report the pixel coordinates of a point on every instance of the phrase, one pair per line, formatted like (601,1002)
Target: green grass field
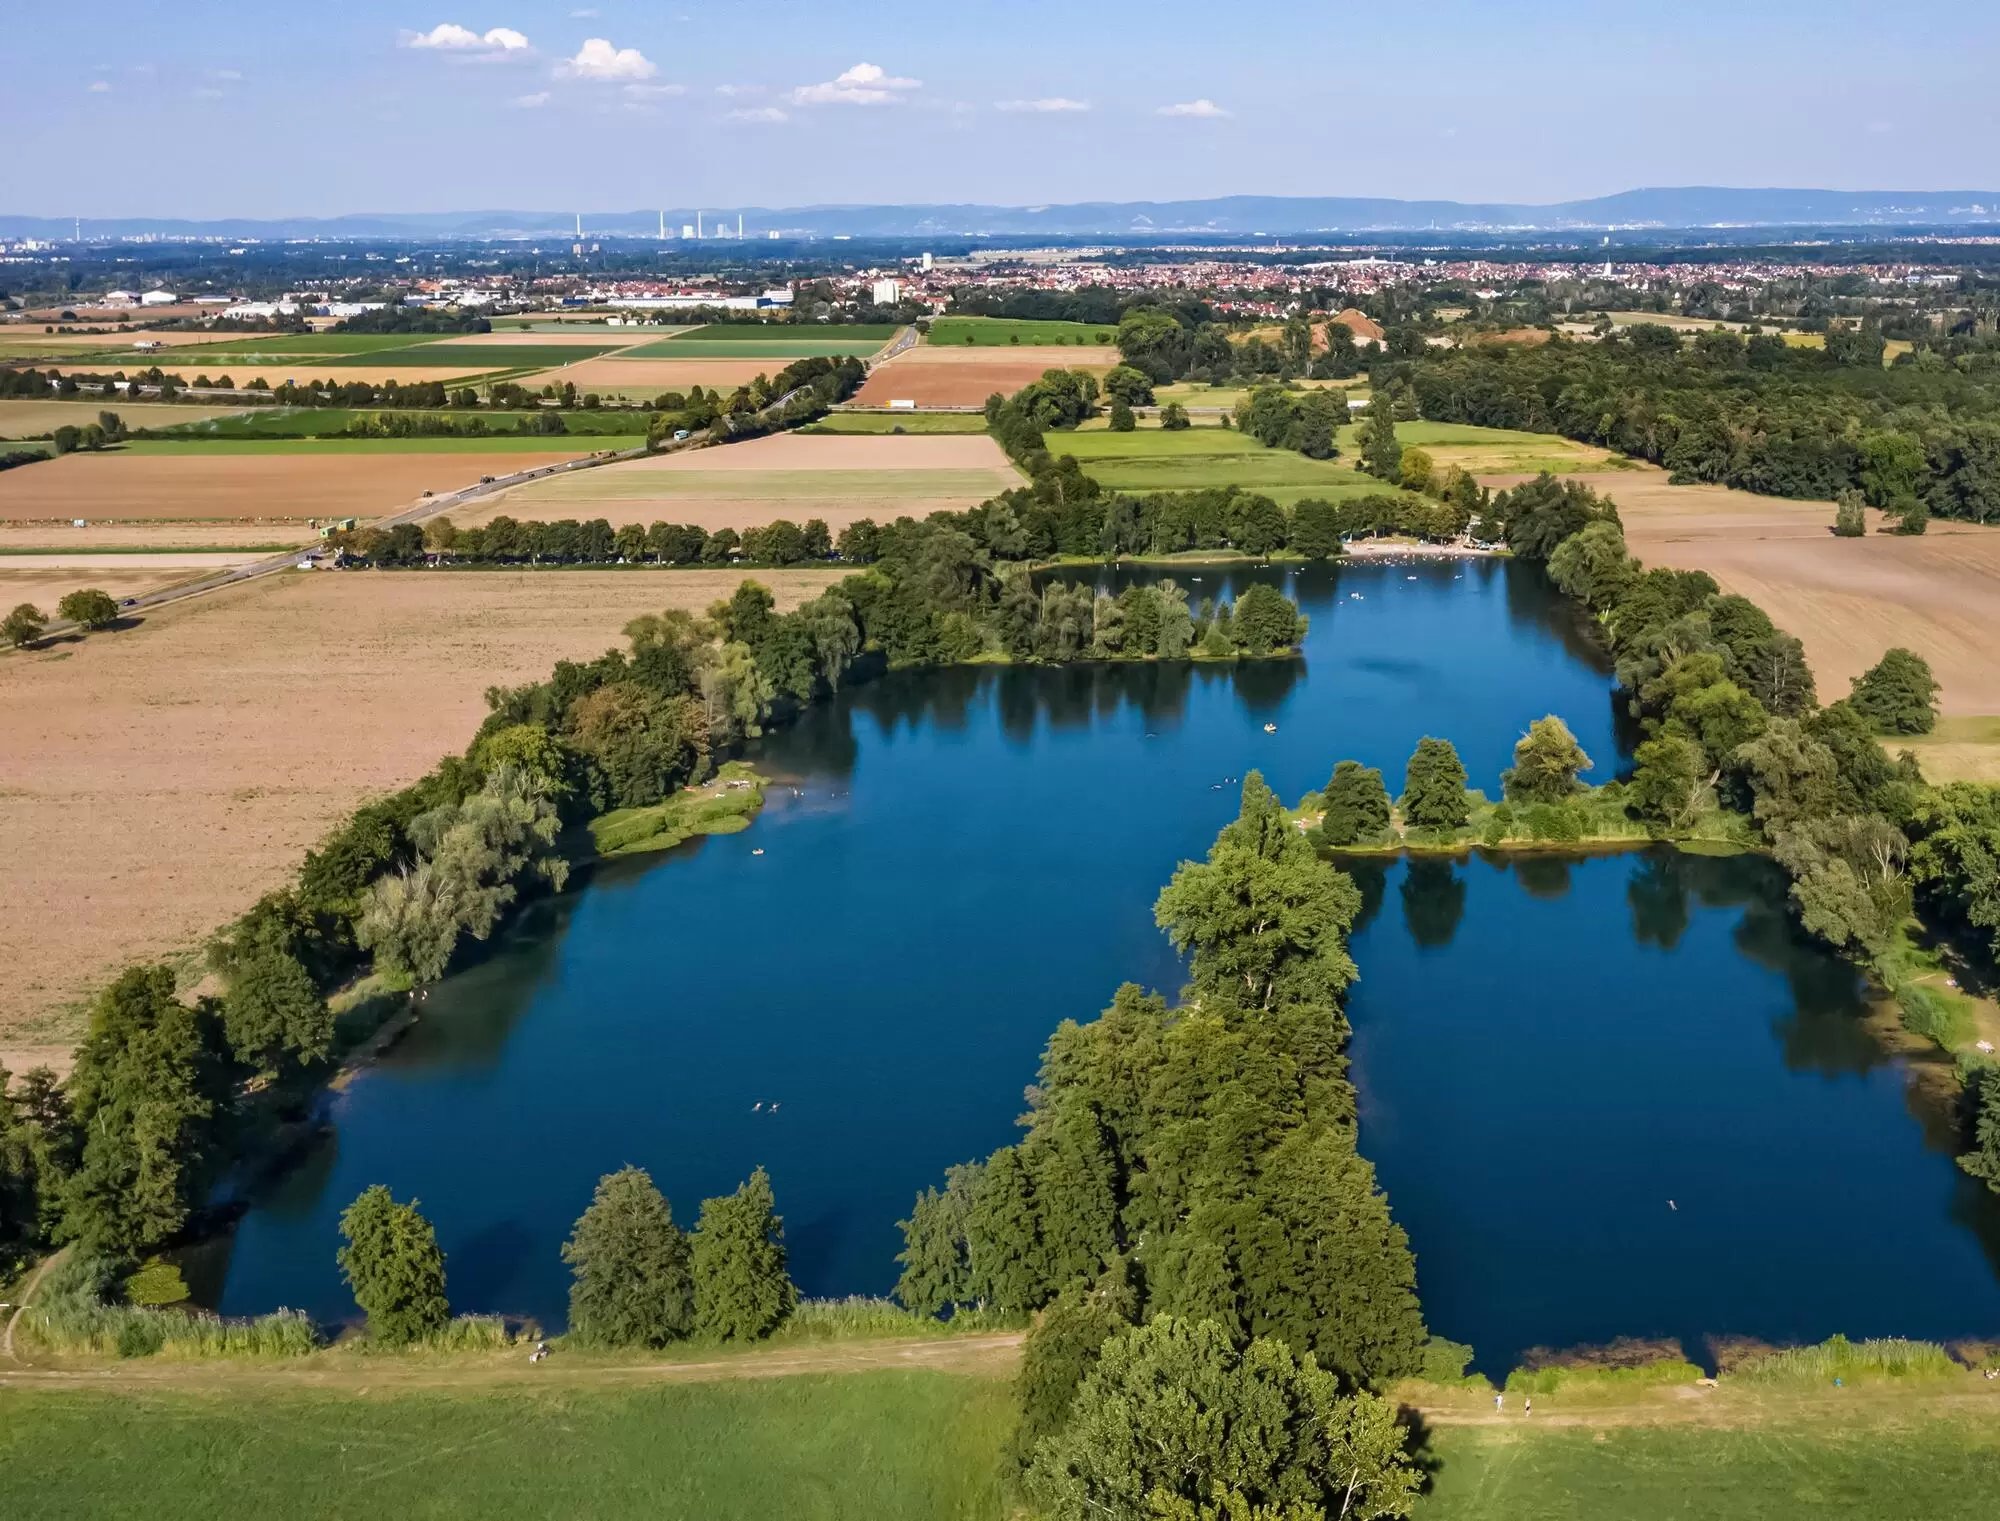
(501,443)
(891,422)
(1942,1469)
(885,1445)
(958,332)
(21,419)
(1231,397)
(1150,459)
(880,1446)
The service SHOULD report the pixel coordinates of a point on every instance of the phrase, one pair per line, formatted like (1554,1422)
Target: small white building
(159,298)
(121,298)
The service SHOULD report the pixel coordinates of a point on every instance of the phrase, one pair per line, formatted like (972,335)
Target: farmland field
(154,782)
(899,422)
(959,332)
(325,345)
(1848,599)
(1151,459)
(853,337)
(312,422)
(746,485)
(829,344)
(488,443)
(44,579)
(944,377)
(481,355)
(244,487)
(23,419)
(275,371)
(642,379)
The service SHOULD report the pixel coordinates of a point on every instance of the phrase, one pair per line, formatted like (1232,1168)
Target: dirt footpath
(155,782)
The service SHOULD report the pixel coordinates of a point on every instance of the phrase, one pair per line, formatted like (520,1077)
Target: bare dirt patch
(242,488)
(1848,599)
(837,478)
(155,782)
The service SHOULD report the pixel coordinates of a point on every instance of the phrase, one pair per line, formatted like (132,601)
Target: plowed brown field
(153,783)
(648,377)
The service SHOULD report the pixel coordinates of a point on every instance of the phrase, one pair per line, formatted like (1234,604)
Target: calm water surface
(1548,1053)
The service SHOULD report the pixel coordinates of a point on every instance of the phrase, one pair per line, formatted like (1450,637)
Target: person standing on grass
(1527,1407)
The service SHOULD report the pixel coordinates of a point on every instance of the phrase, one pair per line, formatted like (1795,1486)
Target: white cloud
(447,37)
(208,92)
(598,59)
(231,75)
(530,102)
(756,113)
(99,87)
(583,15)
(1048,103)
(651,92)
(866,84)
(1202,107)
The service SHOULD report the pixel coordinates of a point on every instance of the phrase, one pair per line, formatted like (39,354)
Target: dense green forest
(1754,413)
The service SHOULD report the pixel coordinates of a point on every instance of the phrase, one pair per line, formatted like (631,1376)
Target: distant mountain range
(1659,210)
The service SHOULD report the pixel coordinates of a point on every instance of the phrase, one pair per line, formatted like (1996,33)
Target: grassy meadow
(960,332)
(880,1445)
(876,1446)
(1151,459)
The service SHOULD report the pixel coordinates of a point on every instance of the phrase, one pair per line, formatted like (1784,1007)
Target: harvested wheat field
(155,782)
(949,377)
(646,378)
(242,489)
(43,579)
(1848,599)
(838,478)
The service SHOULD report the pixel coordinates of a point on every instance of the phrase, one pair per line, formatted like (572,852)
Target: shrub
(1837,1357)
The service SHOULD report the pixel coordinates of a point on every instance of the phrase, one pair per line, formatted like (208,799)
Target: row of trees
(812,384)
(1190,1170)
(637,1279)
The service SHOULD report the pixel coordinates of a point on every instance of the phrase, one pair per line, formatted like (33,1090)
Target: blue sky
(209,108)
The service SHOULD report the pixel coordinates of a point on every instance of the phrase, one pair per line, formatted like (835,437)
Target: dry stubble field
(837,478)
(1848,599)
(45,579)
(155,782)
(242,489)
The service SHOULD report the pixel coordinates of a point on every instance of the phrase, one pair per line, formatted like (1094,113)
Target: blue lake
(1549,1050)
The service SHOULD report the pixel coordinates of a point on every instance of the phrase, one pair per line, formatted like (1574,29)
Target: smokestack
(739,224)
(697,225)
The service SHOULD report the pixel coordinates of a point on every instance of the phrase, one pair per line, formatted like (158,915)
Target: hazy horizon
(397,107)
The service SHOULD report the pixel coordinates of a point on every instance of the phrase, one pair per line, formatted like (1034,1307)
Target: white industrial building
(888,292)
